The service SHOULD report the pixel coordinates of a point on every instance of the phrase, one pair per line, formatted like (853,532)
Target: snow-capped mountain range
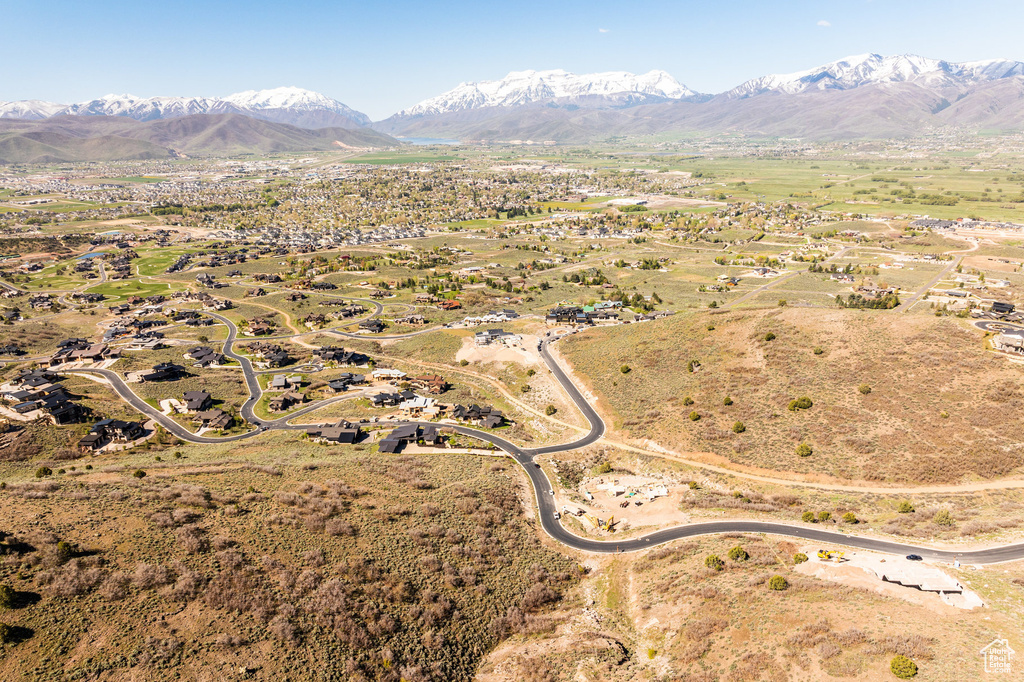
(284,105)
(526,101)
(523,88)
(874,69)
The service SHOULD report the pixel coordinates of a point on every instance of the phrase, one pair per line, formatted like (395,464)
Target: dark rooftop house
(1001,308)
(394,441)
(118,431)
(214,418)
(341,432)
(196,401)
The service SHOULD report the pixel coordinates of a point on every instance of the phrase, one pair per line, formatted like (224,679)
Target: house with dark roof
(341,382)
(342,432)
(482,415)
(197,401)
(394,441)
(280,403)
(372,326)
(113,431)
(214,418)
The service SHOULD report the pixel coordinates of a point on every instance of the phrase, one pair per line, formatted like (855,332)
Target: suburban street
(541,485)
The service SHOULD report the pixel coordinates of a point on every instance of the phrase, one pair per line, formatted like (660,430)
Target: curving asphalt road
(543,489)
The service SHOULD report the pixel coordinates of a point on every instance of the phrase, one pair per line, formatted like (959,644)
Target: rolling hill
(108,138)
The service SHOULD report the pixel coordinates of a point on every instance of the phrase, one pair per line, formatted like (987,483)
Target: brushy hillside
(327,564)
(935,405)
(666,615)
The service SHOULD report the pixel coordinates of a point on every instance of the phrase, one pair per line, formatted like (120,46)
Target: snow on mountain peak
(280,98)
(521,88)
(871,69)
(287,105)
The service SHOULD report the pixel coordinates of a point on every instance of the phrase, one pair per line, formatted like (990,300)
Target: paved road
(779,280)
(156,415)
(908,303)
(995,326)
(542,487)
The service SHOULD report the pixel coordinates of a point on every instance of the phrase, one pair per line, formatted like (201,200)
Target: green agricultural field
(396,159)
(122,289)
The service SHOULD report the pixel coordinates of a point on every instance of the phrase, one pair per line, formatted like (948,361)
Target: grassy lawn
(123,289)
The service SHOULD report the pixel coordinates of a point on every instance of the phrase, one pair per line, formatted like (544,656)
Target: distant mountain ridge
(874,69)
(109,138)
(523,88)
(864,96)
(290,105)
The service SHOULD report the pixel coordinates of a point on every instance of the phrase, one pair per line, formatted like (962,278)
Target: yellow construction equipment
(827,555)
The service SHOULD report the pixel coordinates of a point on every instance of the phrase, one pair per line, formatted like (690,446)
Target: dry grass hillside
(339,566)
(665,615)
(940,408)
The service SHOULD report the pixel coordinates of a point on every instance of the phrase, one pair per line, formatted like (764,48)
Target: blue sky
(382,56)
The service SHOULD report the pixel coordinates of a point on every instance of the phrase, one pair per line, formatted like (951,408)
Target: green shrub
(727,401)
(943,518)
(905,507)
(713,561)
(603,468)
(769,337)
(902,667)
(694,485)
(6,597)
(463,363)
(64,552)
(818,350)
(738,427)
(139,473)
(550,410)
(808,517)
(850,517)
(42,472)
(804,450)
(824,516)
(5,633)
(799,558)
(711,327)
(530,372)
(625,369)
(782,303)
(803,403)
(864,389)
(777,583)
(687,400)
(694,416)
(737,553)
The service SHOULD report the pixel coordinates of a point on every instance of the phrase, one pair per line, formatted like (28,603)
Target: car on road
(914,557)
(551,492)
(536,465)
(557,516)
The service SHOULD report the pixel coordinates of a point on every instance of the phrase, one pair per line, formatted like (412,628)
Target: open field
(939,407)
(260,563)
